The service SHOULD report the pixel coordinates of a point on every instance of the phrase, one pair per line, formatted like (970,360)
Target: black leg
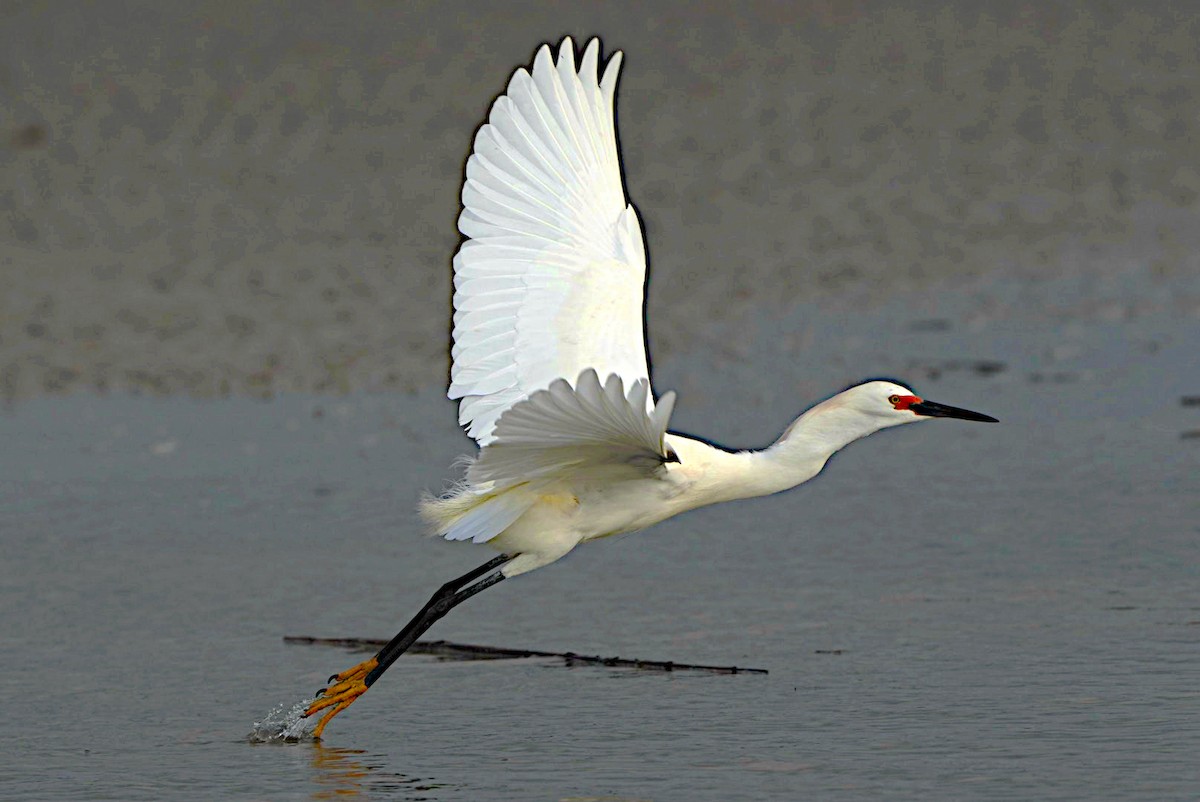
(447,596)
(353,683)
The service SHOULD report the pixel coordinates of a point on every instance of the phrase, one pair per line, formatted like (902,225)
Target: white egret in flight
(549,359)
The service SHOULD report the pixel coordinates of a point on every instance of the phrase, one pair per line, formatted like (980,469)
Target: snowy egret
(549,359)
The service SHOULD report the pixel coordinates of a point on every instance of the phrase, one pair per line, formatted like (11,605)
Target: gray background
(247,198)
(225,233)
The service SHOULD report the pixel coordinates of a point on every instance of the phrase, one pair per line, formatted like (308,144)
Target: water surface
(951,610)
(228,202)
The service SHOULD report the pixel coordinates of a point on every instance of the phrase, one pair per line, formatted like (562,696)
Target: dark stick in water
(467,651)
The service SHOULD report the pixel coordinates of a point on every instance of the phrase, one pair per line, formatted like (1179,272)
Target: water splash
(284,725)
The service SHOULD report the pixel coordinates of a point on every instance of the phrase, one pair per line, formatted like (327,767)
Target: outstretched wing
(563,430)
(550,281)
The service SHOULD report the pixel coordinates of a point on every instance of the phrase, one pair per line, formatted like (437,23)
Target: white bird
(549,359)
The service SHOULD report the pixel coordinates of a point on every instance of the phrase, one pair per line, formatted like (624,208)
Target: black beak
(934,410)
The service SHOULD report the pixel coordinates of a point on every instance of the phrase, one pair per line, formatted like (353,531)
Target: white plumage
(549,350)
(563,430)
(549,283)
(550,361)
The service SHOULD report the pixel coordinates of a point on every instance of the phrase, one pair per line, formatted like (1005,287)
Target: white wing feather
(489,517)
(563,431)
(550,281)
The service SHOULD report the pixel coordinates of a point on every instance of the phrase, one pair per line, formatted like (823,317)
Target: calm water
(223,199)
(1014,608)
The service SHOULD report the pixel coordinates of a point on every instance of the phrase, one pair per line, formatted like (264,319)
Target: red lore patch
(904,401)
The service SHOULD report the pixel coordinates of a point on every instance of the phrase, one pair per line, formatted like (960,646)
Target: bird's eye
(893,400)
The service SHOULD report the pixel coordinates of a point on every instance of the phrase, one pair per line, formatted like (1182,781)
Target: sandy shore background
(248,198)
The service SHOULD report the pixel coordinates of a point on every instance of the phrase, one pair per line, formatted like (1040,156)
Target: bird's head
(864,409)
(893,404)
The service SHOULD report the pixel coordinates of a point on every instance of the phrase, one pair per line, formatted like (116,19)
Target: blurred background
(222,198)
(225,242)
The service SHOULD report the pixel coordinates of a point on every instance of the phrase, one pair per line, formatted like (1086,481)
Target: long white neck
(820,433)
(797,456)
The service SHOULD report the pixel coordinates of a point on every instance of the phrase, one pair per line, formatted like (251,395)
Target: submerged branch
(466,651)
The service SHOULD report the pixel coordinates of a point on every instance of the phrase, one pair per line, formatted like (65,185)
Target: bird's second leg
(354,682)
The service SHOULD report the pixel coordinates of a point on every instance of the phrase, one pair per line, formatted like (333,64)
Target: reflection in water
(342,773)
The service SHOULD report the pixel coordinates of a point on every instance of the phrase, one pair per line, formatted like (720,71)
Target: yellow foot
(346,687)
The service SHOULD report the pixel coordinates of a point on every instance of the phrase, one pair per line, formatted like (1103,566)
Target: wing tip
(608,83)
(566,52)
(662,411)
(587,63)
